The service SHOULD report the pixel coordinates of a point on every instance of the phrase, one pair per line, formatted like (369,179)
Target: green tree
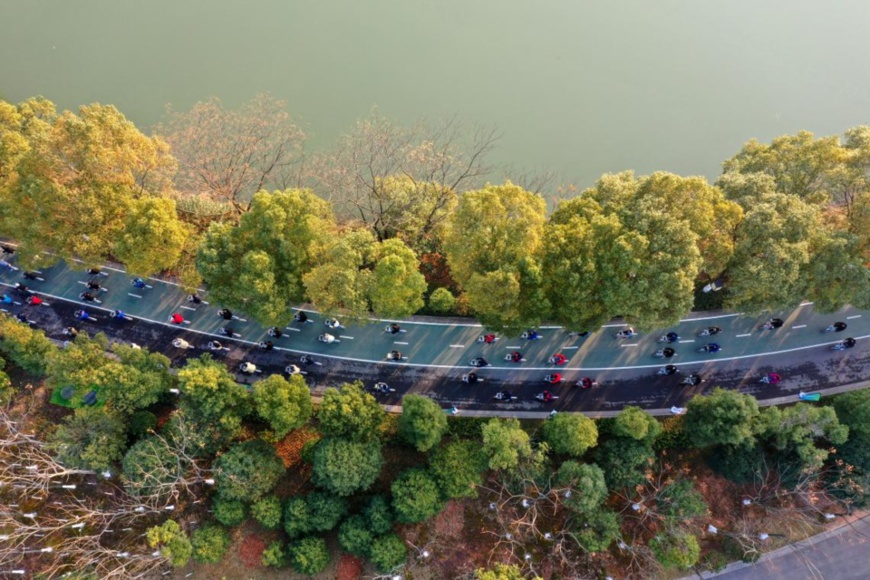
(153,236)
(458,468)
(229,512)
(675,549)
(79,181)
(212,399)
(267,512)
(800,429)
(387,552)
(422,422)
(597,530)
(6,390)
(492,243)
(285,404)
(92,438)
(350,412)
(247,471)
(257,266)
(356,274)
(505,443)
(150,467)
(588,487)
(136,380)
(636,423)
(836,274)
(210,543)
(275,555)
(26,347)
(173,542)
(501,572)
(722,417)
(570,433)
(297,518)
(624,461)
(309,556)
(415,496)
(346,467)
(680,500)
(81,365)
(325,510)
(355,536)
(441,300)
(801,165)
(379,515)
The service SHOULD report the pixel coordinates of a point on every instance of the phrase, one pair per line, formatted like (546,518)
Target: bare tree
(228,155)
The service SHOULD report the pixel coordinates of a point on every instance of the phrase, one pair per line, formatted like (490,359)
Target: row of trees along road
(354,229)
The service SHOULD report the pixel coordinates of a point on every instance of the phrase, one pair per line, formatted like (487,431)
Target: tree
(24,346)
(570,433)
(309,555)
(6,391)
(422,422)
(136,381)
(721,418)
(379,515)
(500,572)
(801,165)
(275,555)
(588,488)
(675,549)
(624,461)
(355,274)
(597,530)
(229,155)
(492,242)
(267,512)
(80,366)
(258,265)
(210,543)
(680,500)
(350,412)
(441,300)
(152,238)
(248,471)
(387,552)
(285,404)
(458,468)
(415,496)
(79,181)
(636,423)
(346,467)
(325,511)
(296,517)
(229,512)
(505,443)
(836,274)
(355,537)
(402,181)
(92,438)
(173,542)
(212,399)
(800,428)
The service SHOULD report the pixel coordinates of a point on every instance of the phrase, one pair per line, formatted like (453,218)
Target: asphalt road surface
(438,352)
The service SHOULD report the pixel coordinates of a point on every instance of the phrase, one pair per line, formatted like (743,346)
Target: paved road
(840,554)
(438,353)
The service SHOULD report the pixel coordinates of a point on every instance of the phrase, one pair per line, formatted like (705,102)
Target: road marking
(569,347)
(851,317)
(742,335)
(187,307)
(351,338)
(805,304)
(293,329)
(627,345)
(395,342)
(514,347)
(799,326)
(133,295)
(83,283)
(687,340)
(457,346)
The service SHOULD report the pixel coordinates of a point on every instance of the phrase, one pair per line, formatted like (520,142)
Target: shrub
(248,471)
(142,423)
(275,555)
(229,512)
(309,556)
(267,512)
(458,468)
(387,552)
(675,549)
(441,300)
(324,510)
(355,536)
(379,515)
(415,496)
(346,467)
(210,543)
(173,542)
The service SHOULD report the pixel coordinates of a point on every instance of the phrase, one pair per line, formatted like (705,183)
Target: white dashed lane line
(851,317)
(799,326)
(742,335)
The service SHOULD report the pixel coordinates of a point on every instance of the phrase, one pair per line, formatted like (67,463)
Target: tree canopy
(284,403)
(722,417)
(422,422)
(570,433)
(350,412)
(505,443)
(247,471)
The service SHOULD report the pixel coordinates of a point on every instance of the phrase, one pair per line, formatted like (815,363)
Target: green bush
(229,512)
(325,510)
(458,468)
(275,555)
(173,542)
(379,515)
(142,423)
(355,536)
(570,433)
(416,496)
(247,471)
(675,549)
(387,552)
(309,556)
(441,300)
(210,543)
(350,413)
(267,512)
(345,467)
(422,422)
(596,530)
